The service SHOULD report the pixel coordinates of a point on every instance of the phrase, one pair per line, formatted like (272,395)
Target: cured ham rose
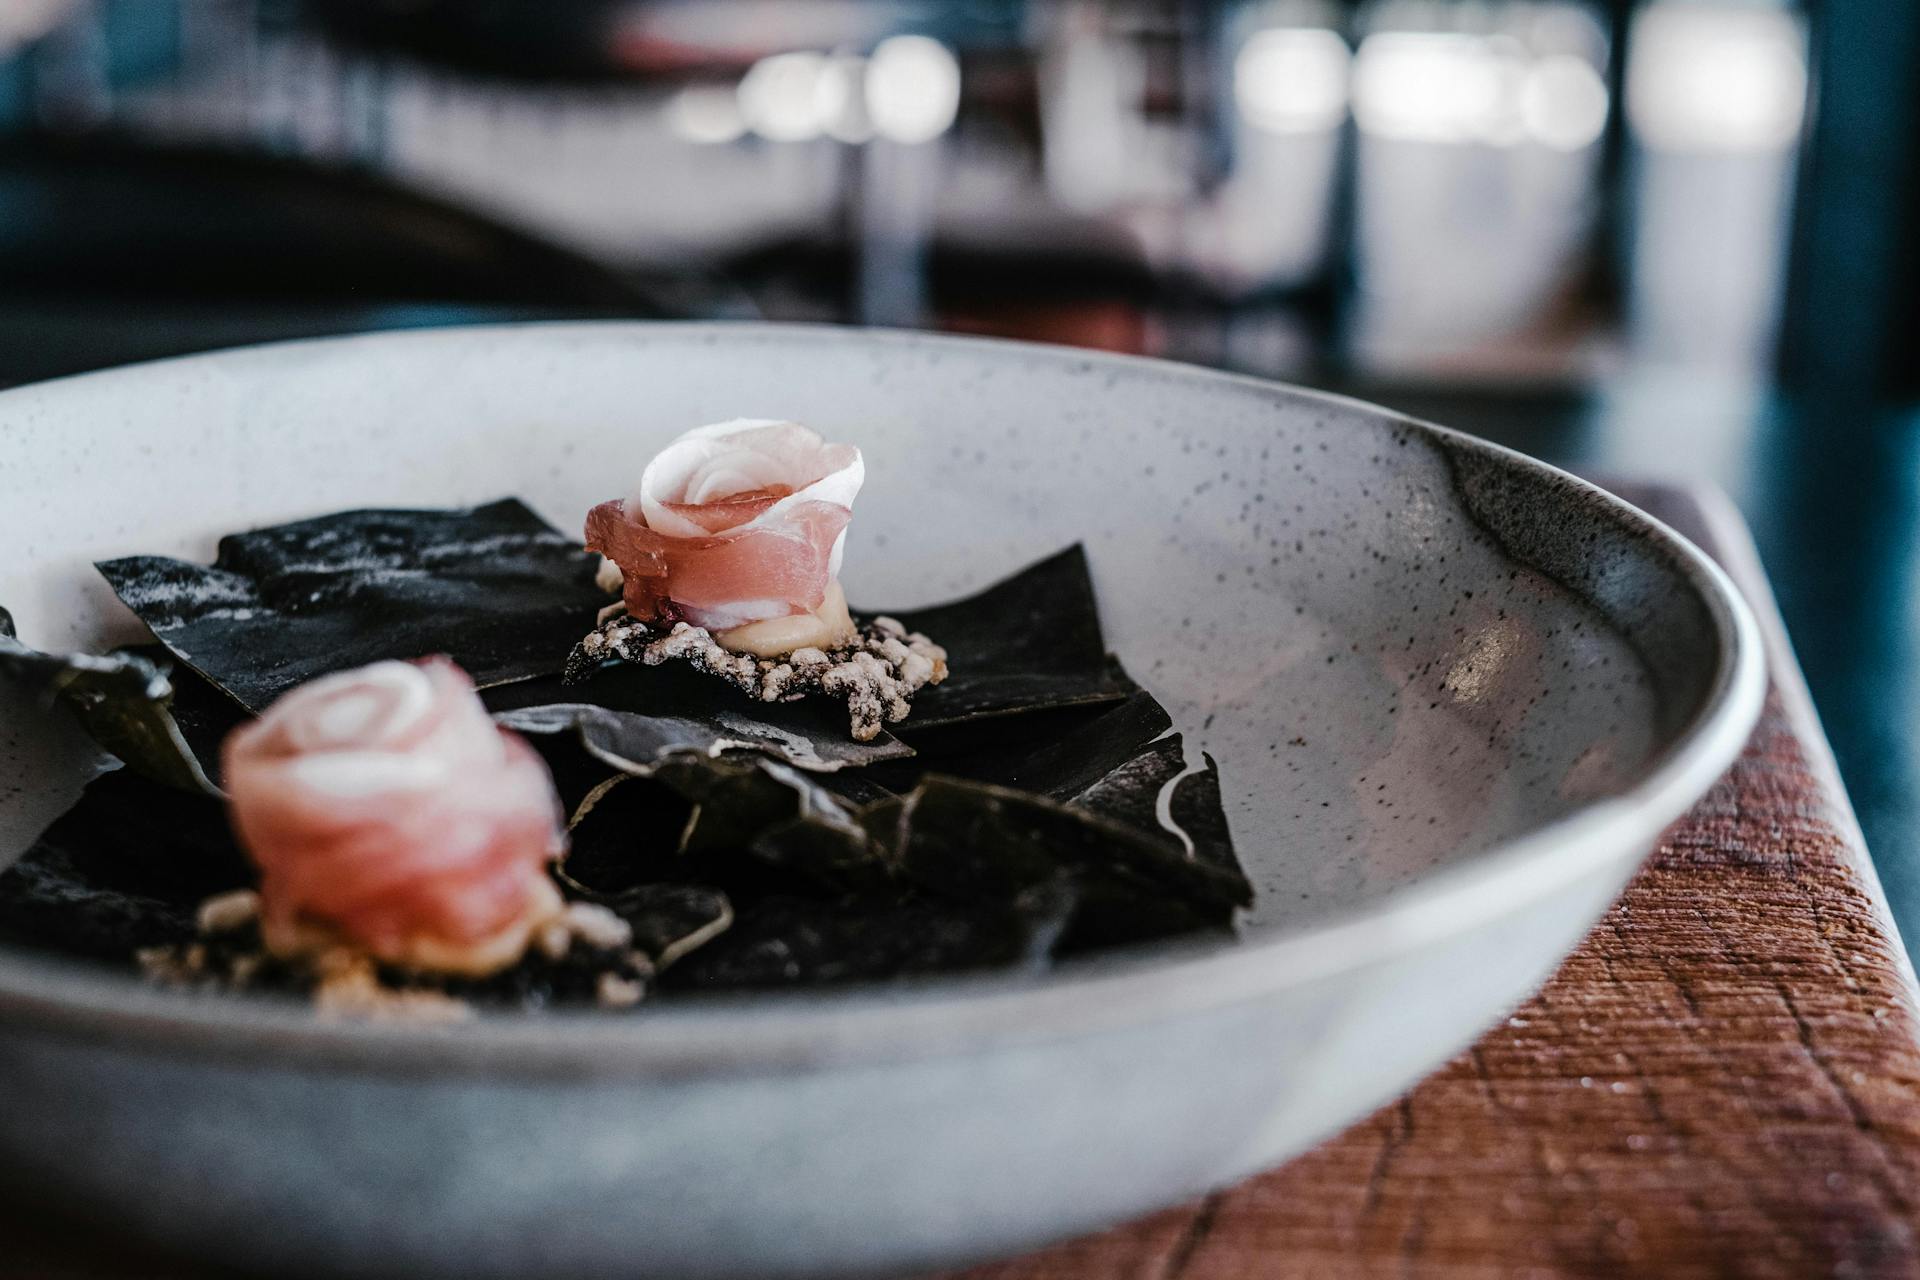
(386,810)
(734,523)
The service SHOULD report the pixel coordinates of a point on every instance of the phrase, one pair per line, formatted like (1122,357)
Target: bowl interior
(1403,648)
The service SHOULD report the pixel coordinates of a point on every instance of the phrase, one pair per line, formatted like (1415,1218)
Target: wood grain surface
(1723,1081)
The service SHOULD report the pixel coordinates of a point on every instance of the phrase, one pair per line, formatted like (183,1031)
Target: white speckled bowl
(1455,696)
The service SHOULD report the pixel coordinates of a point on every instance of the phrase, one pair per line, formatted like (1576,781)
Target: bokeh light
(1292,80)
(913,89)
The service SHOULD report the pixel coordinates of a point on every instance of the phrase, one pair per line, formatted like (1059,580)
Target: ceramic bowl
(1455,696)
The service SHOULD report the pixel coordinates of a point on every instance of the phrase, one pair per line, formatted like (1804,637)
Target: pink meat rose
(734,523)
(387,811)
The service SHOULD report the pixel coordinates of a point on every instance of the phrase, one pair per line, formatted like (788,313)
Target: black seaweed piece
(835,851)
(858,788)
(204,714)
(1090,808)
(1121,909)
(1027,643)
(622,834)
(127,702)
(1119,765)
(1056,752)
(1115,761)
(791,941)
(1132,795)
(575,771)
(1074,759)
(492,587)
(1019,726)
(833,876)
(1197,810)
(968,841)
(746,826)
(792,833)
(632,716)
(736,800)
(126,867)
(670,921)
(957,876)
(763,832)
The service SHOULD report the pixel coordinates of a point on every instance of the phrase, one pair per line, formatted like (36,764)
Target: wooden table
(1723,1081)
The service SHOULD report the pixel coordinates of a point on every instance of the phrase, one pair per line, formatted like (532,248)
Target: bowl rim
(764,1032)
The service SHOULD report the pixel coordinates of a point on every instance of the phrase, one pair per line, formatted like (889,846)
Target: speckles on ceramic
(1388,687)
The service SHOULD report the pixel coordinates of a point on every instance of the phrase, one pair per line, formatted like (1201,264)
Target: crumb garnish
(349,986)
(607,576)
(596,926)
(876,674)
(616,992)
(585,950)
(225,912)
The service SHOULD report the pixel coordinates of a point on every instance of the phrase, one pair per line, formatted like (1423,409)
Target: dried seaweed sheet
(125,701)
(788,941)
(746,825)
(762,832)
(493,587)
(1071,756)
(622,834)
(969,841)
(773,881)
(1051,810)
(204,715)
(126,867)
(1123,765)
(1027,643)
(632,716)
(672,920)
(1118,761)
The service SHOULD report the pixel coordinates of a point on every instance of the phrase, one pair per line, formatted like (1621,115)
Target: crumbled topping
(350,987)
(597,926)
(616,992)
(876,674)
(225,912)
(587,924)
(175,966)
(243,969)
(585,951)
(608,578)
(553,940)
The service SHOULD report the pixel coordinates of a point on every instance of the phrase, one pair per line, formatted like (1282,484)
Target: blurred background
(1665,238)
